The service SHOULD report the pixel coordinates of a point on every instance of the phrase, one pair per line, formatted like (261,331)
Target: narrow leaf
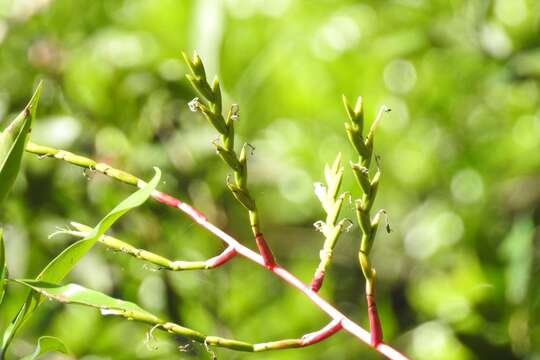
(3,267)
(77,294)
(12,143)
(61,265)
(47,344)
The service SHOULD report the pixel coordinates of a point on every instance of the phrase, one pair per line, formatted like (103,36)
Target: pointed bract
(13,141)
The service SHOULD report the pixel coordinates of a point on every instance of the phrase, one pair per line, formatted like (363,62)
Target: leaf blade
(62,264)
(80,295)
(3,267)
(47,344)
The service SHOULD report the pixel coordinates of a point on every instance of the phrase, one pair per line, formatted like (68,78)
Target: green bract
(12,143)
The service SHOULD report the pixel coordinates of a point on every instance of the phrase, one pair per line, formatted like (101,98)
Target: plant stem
(306,340)
(369,186)
(162,262)
(211,110)
(347,324)
(331,202)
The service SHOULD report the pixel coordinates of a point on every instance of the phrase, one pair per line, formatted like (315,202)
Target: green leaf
(47,344)
(12,143)
(61,265)
(77,294)
(3,267)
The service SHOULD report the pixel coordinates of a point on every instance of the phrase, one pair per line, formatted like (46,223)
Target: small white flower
(194,105)
(320,226)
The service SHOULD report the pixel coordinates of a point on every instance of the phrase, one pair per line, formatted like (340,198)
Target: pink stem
(222,258)
(347,324)
(327,331)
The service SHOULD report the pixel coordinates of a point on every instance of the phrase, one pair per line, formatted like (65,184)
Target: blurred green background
(460,157)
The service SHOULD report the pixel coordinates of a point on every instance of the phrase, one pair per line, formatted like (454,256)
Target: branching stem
(212,111)
(347,324)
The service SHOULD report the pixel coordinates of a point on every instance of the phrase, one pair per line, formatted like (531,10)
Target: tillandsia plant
(225,126)
(331,202)
(48,284)
(369,186)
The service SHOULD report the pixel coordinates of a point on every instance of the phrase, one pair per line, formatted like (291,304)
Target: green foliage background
(459,152)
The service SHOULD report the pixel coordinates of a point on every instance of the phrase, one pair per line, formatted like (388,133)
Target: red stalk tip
(265,251)
(374,321)
(317,281)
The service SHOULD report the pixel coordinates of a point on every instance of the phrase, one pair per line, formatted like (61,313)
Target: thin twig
(162,262)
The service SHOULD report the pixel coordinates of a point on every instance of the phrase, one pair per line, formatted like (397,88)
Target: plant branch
(348,325)
(163,263)
(331,202)
(306,340)
(211,110)
(77,294)
(369,186)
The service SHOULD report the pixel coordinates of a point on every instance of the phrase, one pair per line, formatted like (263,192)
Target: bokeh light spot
(400,76)
(467,186)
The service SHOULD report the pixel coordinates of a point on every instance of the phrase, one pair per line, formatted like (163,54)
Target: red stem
(265,251)
(317,281)
(374,321)
(222,258)
(165,199)
(330,329)
(347,324)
